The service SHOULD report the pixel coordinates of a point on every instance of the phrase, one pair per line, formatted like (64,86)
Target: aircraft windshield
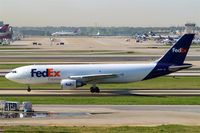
(13,71)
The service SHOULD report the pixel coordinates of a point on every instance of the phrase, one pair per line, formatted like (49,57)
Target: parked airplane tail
(4,28)
(177,54)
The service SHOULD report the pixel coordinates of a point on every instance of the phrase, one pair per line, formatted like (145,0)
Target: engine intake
(71,84)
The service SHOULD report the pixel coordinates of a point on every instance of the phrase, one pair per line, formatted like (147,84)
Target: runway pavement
(117,92)
(111,115)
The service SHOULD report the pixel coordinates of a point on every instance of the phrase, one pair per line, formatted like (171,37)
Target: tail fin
(77,30)
(176,55)
(4,28)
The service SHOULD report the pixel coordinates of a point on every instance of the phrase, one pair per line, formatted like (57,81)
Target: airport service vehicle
(74,76)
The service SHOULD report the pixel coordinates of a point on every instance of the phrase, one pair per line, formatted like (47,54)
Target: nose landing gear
(29,89)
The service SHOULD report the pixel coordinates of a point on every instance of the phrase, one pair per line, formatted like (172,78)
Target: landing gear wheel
(97,90)
(94,90)
(29,89)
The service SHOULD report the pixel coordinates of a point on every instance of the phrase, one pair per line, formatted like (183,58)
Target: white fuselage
(38,74)
(64,34)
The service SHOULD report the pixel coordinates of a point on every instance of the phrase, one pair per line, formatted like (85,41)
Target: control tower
(190,27)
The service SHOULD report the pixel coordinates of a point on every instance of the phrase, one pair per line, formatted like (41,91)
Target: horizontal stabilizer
(176,68)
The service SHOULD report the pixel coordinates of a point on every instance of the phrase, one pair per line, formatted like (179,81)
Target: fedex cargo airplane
(64,33)
(73,76)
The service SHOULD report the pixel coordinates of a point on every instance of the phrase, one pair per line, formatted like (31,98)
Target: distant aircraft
(73,76)
(141,37)
(98,33)
(64,33)
(4,28)
(6,33)
(196,41)
(162,37)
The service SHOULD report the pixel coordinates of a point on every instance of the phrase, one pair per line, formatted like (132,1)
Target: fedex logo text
(49,72)
(181,50)
(69,84)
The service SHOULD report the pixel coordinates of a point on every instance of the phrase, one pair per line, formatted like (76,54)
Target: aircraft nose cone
(14,77)
(8,76)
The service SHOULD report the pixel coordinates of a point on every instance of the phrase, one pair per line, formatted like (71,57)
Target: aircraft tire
(94,90)
(29,89)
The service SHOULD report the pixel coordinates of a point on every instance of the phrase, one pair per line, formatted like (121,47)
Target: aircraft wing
(93,77)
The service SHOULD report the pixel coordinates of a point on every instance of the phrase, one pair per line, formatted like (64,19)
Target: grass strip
(107,100)
(118,129)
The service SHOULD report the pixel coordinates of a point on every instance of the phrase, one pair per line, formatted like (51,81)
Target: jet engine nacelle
(70,84)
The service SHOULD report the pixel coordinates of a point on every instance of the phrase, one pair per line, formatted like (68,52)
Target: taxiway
(111,115)
(89,58)
(116,92)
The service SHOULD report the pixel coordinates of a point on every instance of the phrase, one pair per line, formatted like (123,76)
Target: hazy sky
(100,12)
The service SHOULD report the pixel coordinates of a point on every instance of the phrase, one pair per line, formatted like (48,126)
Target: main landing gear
(29,89)
(94,89)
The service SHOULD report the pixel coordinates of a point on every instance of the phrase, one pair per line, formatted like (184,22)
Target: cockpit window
(13,71)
